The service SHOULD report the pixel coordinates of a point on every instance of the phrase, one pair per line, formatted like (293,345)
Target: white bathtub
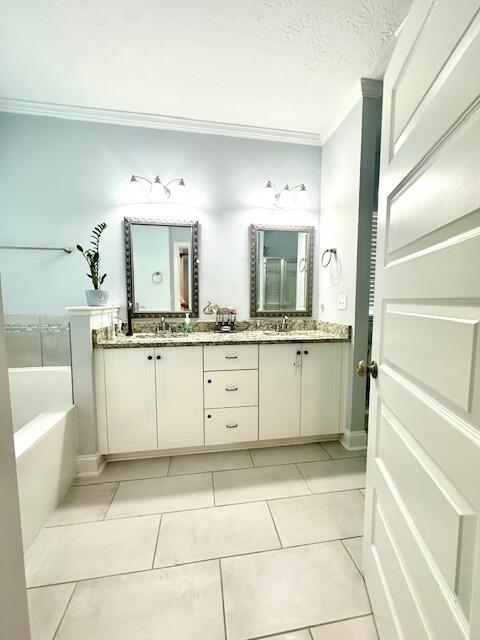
(45,442)
(36,390)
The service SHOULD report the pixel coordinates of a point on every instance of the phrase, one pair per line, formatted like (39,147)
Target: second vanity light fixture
(286,197)
(155,191)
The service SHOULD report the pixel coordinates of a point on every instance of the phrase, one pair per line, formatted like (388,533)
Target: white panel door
(130,400)
(179,397)
(321,388)
(280,377)
(422,535)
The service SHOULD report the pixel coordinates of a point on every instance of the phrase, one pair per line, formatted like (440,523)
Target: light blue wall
(347,201)
(339,216)
(59,178)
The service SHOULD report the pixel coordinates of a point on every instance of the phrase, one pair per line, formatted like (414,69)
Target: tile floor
(217,546)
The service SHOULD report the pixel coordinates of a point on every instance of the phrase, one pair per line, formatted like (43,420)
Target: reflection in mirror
(282,266)
(162,267)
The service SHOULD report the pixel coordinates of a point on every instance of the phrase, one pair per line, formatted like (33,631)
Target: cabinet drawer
(223,426)
(230,388)
(222,357)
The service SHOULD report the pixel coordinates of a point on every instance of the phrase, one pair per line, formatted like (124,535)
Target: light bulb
(180,191)
(157,191)
(285,198)
(303,199)
(268,195)
(135,190)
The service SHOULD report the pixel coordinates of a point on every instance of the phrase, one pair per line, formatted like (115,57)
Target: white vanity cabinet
(130,403)
(185,397)
(279,388)
(153,398)
(231,393)
(179,397)
(321,388)
(299,390)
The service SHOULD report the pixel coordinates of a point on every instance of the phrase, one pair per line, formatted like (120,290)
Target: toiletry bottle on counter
(187,327)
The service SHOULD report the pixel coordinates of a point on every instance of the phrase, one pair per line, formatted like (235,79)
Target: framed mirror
(281,270)
(161,267)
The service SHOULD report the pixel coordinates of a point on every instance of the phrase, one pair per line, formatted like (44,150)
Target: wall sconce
(283,198)
(156,191)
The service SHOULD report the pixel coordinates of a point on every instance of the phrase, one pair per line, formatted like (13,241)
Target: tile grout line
(351,557)
(274,524)
(65,611)
(325,624)
(223,598)
(110,503)
(192,473)
(328,454)
(304,478)
(158,538)
(309,628)
(217,506)
(183,564)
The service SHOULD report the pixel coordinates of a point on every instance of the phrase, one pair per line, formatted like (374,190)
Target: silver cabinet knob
(364,369)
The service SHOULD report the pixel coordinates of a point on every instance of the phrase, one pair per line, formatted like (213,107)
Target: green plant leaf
(92,255)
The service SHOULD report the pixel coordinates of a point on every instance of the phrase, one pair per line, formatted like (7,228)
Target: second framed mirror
(281,270)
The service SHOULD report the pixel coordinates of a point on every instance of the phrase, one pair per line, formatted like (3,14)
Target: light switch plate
(342,302)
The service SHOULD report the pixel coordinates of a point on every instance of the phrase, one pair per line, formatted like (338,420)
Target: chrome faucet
(284,323)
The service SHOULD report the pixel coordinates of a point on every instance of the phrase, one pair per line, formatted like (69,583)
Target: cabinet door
(179,397)
(130,400)
(279,391)
(321,388)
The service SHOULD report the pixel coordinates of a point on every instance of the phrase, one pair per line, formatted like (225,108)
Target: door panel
(179,397)
(280,376)
(440,187)
(442,23)
(321,388)
(130,400)
(440,351)
(422,537)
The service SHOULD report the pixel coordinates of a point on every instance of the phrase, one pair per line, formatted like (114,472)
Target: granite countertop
(200,338)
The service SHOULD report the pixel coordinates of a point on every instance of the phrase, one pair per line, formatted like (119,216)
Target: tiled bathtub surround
(227,546)
(37,341)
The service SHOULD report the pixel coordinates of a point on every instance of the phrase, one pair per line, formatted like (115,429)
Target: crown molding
(154,121)
(364,88)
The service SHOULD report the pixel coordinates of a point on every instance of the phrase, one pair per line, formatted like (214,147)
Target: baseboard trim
(354,440)
(90,465)
(256,444)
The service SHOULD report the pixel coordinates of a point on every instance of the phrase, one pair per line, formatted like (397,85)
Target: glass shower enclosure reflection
(282,282)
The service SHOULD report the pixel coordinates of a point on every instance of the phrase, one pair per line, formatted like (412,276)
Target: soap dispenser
(187,327)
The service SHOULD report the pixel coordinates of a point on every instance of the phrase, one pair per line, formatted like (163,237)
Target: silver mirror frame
(254,228)
(127,227)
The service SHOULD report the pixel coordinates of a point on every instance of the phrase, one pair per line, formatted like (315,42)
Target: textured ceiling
(286,64)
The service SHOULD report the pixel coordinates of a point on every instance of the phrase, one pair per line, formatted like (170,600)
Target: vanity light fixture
(283,198)
(156,191)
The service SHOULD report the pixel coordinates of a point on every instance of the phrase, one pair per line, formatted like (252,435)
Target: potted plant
(95,297)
